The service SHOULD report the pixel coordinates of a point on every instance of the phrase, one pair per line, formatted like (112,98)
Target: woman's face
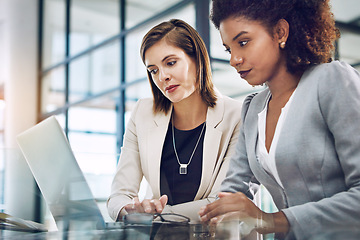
(172,70)
(255,54)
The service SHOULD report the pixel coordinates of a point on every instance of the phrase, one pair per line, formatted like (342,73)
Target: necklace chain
(183,166)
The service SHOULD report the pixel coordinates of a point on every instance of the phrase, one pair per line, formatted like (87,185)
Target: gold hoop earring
(282,45)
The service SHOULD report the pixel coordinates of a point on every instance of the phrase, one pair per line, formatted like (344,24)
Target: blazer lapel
(251,132)
(211,146)
(288,168)
(155,139)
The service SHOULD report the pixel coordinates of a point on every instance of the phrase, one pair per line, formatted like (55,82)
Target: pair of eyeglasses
(172,218)
(147,218)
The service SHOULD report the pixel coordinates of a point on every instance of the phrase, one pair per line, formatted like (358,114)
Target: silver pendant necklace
(183,166)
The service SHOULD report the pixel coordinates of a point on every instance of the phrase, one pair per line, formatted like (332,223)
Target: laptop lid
(58,175)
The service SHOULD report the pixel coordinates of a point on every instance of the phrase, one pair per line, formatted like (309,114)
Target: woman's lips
(171,88)
(243,74)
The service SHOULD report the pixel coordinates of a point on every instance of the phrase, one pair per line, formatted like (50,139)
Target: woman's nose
(163,75)
(236,60)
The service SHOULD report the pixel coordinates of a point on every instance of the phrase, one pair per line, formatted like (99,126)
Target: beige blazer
(142,148)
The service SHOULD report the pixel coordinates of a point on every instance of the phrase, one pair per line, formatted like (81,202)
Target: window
(92,74)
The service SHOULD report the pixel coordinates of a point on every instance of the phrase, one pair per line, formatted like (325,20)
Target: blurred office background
(79,60)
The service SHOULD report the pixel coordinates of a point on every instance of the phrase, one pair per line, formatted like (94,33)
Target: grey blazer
(317,156)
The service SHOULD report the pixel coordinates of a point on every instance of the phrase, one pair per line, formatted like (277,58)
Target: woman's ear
(281,31)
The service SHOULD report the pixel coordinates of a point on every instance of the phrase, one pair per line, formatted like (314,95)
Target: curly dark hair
(312,30)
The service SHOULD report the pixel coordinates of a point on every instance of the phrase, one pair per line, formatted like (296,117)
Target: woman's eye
(153,71)
(171,63)
(243,43)
(228,50)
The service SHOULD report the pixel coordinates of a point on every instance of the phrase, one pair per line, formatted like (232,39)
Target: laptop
(60,179)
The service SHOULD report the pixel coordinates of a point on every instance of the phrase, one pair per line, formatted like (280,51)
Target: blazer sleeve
(192,208)
(339,100)
(128,176)
(239,175)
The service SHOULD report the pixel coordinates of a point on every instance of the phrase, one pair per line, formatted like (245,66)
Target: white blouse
(267,159)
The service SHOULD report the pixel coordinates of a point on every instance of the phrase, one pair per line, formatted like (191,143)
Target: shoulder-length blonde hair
(180,34)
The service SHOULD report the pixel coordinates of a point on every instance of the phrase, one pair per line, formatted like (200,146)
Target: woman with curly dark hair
(300,136)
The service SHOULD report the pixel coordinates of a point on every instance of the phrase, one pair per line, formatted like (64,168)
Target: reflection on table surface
(156,231)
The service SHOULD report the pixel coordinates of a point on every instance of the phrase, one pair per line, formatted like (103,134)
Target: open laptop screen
(58,174)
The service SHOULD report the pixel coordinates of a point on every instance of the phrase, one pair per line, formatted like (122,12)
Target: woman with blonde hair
(181,139)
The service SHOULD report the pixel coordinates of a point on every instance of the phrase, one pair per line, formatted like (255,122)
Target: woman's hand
(231,206)
(147,205)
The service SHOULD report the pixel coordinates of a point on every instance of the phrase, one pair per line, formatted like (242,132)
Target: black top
(181,187)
